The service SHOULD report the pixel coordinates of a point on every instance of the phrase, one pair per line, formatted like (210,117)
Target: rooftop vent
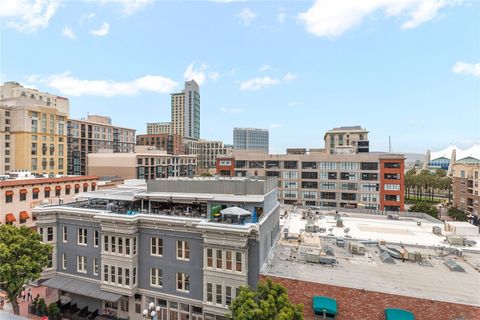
(453,266)
(386,258)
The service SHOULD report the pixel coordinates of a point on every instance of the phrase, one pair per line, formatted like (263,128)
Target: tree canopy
(268,302)
(22,258)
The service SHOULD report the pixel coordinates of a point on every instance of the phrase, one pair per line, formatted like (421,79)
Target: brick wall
(360,304)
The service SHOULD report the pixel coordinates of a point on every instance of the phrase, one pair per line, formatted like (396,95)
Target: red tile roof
(34,181)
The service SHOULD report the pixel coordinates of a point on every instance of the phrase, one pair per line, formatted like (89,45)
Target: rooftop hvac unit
(415,256)
(327,260)
(312,256)
(455,240)
(340,242)
(437,230)
(339,223)
(453,266)
(386,258)
(356,248)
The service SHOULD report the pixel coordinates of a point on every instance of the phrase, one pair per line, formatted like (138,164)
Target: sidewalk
(49,295)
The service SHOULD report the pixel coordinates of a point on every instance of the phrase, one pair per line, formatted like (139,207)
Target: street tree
(22,258)
(268,302)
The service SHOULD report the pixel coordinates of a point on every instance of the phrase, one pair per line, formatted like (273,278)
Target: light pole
(151,311)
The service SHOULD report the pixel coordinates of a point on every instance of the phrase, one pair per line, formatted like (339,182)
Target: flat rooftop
(428,278)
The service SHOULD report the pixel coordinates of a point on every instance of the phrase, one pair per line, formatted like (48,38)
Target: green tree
(457,214)
(22,258)
(269,302)
(425,207)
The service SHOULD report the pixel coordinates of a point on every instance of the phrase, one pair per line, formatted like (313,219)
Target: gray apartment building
(250,139)
(185,245)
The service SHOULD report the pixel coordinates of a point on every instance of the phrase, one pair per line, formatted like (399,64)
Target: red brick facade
(357,304)
(225,166)
(387,170)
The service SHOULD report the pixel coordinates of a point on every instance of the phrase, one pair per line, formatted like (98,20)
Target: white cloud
(275,125)
(28,15)
(69,85)
(471,69)
(257,83)
(102,30)
(129,7)
(198,75)
(331,19)
(32,77)
(293,103)
(232,110)
(281,15)
(247,16)
(87,17)
(265,67)
(68,32)
(214,75)
(289,77)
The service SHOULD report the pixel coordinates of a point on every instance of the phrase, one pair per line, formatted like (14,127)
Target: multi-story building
(250,139)
(159,128)
(466,188)
(185,245)
(172,143)
(316,178)
(145,163)
(37,135)
(19,196)
(186,111)
(346,140)
(209,151)
(91,135)
(6,156)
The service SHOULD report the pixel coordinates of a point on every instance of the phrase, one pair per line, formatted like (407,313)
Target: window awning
(48,188)
(81,287)
(35,190)
(9,218)
(23,191)
(24,215)
(321,304)
(94,184)
(77,186)
(85,184)
(398,314)
(68,186)
(58,187)
(9,193)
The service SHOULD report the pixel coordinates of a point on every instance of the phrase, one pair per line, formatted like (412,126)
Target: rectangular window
(120,275)
(23,195)
(127,277)
(134,274)
(35,193)
(228,295)
(210,258)
(156,246)
(155,277)
(120,245)
(134,249)
(105,273)
(64,261)
(50,261)
(127,246)
(9,198)
(238,261)
(113,248)
(82,236)
(219,259)
(218,294)
(82,264)
(95,266)
(394,187)
(183,281)
(229,260)
(49,234)
(105,243)
(112,274)
(369,166)
(64,233)
(209,292)
(95,238)
(391,165)
(183,250)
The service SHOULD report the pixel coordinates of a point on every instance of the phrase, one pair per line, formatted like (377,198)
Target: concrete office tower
(185,245)
(186,111)
(250,139)
(159,128)
(36,132)
(91,135)
(346,140)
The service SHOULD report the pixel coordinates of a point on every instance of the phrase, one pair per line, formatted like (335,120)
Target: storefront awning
(398,314)
(24,215)
(9,218)
(81,287)
(321,304)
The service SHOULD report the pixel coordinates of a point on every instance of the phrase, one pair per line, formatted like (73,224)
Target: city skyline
(304,77)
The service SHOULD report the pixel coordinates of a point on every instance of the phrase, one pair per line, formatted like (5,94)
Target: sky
(408,69)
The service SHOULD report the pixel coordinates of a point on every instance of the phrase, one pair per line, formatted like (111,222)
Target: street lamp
(151,311)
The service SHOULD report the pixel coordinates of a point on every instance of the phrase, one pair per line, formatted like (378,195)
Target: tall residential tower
(186,111)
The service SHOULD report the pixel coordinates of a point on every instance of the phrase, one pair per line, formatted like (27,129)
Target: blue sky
(408,69)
